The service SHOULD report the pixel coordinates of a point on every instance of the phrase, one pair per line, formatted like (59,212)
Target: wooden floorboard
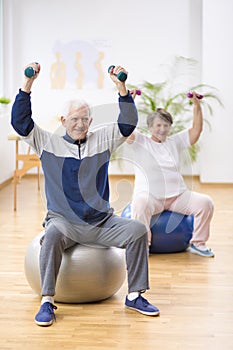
(194,294)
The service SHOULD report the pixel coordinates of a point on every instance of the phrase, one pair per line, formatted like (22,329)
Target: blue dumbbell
(29,71)
(122,76)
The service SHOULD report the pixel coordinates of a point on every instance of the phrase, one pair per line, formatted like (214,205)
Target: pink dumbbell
(138,92)
(190,95)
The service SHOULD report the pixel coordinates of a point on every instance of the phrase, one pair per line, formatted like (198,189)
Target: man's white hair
(75,104)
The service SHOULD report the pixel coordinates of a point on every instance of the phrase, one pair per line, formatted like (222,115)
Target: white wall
(217,145)
(7,148)
(142,36)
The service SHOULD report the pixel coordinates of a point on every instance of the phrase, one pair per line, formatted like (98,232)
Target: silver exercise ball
(87,273)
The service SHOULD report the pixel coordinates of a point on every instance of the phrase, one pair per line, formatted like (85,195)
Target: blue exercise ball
(171,231)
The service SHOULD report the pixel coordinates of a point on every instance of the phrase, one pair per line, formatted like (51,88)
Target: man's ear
(63,120)
(90,121)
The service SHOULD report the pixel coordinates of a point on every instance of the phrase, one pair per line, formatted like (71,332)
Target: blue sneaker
(45,315)
(142,305)
(203,252)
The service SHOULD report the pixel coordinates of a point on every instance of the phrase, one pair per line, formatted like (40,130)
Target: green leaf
(4,100)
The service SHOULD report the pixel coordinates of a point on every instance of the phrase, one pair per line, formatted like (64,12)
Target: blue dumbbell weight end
(122,76)
(29,72)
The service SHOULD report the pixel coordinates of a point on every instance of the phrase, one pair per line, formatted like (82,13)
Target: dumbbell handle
(122,76)
(190,95)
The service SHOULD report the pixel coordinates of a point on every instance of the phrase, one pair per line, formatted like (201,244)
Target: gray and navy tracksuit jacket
(76,176)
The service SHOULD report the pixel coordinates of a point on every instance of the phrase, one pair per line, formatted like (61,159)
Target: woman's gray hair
(159,113)
(74,104)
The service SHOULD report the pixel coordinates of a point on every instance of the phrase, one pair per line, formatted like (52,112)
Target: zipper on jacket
(79,149)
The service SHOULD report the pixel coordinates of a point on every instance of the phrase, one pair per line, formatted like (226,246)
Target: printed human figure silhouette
(58,73)
(98,65)
(79,68)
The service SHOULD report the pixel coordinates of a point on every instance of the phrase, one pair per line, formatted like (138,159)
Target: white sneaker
(202,250)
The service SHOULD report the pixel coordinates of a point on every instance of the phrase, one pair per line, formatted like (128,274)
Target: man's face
(77,122)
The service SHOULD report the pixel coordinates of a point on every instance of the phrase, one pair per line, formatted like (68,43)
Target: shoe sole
(155,313)
(43,324)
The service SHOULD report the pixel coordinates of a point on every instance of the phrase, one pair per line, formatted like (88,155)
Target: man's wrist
(126,98)
(27,86)
(123,93)
(24,93)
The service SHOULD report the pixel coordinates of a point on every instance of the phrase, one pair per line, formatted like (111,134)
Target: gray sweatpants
(113,231)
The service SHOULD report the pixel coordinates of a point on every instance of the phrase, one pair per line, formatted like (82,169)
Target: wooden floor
(194,294)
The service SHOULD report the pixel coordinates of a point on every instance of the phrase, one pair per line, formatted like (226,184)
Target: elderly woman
(159,184)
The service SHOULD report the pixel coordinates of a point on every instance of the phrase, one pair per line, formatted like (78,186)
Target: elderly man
(77,190)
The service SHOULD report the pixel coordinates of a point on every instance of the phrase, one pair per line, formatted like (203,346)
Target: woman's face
(159,130)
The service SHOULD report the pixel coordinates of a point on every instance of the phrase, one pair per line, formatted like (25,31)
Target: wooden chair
(28,160)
